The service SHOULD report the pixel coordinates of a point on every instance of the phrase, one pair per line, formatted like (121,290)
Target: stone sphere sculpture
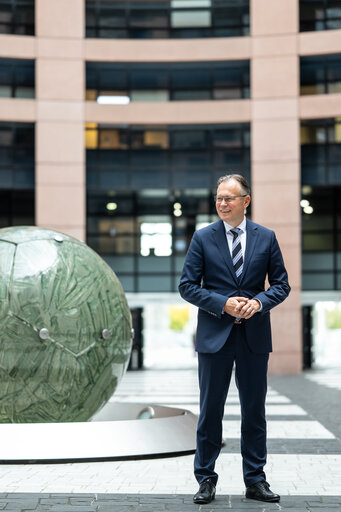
(65,328)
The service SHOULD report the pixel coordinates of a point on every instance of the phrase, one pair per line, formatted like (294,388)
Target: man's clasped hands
(241,307)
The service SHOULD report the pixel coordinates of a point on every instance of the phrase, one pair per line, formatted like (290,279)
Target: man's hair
(237,177)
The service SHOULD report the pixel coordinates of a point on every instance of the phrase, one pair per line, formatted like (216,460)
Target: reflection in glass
(320,15)
(17,78)
(168,81)
(156,238)
(167,19)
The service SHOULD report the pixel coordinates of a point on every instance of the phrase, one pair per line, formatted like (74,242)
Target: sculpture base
(118,431)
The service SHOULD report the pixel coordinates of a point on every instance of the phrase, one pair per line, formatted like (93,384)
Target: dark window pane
(334,69)
(314,174)
(24,178)
(189,139)
(191,179)
(111,17)
(320,15)
(148,18)
(6,73)
(6,156)
(313,154)
(149,159)
(112,79)
(318,242)
(149,178)
(149,79)
(112,159)
(6,177)
(312,71)
(334,153)
(24,156)
(227,138)
(157,82)
(335,174)
(6,136)
(116,179)
(192,160)
(158,19)
(191,79)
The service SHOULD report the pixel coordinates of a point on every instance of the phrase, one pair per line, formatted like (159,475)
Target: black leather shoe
(261,492)
(206,492)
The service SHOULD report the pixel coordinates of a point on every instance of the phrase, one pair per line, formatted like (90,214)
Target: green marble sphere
(65,328)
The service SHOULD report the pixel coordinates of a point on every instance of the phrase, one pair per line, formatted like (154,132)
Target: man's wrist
(260,305)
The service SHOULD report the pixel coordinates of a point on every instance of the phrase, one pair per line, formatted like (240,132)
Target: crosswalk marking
(282,430)
(157,399)
(180,389)
(234,410)
(331,379)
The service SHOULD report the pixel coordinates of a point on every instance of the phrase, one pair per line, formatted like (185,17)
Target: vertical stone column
(60,160)
(275,159)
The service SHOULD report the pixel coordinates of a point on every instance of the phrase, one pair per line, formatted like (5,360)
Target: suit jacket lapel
(251,238)
(221,241)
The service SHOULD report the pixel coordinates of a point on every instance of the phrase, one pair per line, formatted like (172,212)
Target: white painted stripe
(234,410)
(283,430)
(329,379)
(161,399)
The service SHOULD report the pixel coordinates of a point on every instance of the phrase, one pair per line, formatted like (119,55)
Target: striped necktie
(237,253)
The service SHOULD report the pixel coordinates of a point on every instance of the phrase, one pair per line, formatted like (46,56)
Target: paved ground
(159,503)
(304,462)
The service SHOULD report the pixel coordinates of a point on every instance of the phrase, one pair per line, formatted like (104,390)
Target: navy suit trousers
(214,379)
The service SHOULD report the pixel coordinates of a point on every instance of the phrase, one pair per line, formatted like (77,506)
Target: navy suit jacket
(208,279)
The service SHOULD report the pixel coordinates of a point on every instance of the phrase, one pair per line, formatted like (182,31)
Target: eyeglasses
(227,199)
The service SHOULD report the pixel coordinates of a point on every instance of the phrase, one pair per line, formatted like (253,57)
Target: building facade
(117,118)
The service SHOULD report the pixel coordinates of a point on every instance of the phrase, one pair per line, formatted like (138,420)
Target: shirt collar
(242,226)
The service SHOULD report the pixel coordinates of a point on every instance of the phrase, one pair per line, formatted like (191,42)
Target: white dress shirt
(242,235)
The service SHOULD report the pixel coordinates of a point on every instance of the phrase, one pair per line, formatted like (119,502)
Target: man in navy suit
(224,276)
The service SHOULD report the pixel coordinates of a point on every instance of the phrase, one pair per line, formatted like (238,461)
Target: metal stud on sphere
(65,328)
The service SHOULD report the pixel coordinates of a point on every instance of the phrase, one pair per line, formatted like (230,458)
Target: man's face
(232,211)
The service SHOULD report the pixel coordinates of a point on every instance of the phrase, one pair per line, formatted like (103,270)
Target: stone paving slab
(22,502)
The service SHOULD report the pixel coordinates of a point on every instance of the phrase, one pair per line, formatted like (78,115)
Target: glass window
(149,78)
(111,79)
(16,207)
(155,238)
(17,78)
(189,139)
(321,75)
(172,81)
(17,17)
(112,18)
(191,178)
(113,179)
(147,177)
(191,160)
(192,18)
(17,155)
(164,19)
(149,159)
(151,95)
(6,135)
(191,78)
(320,236)
(320,15)
(165,181)
(149,139)
(320,151)
(148,18)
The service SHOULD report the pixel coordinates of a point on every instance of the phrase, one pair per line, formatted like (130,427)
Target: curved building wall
(274,111)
